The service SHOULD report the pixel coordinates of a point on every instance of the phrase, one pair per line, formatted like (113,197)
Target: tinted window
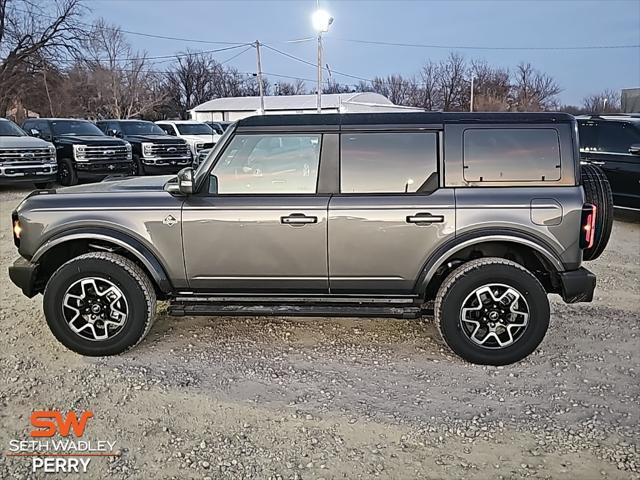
(386,162)
(588,135)
(194,129)
(75,127)
(269,164)
(168,129)
(616,137)
(501,155)
(10,129)
(141,128)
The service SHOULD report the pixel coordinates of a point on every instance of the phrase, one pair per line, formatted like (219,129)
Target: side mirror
(35,132)
(635,149)
(185,181)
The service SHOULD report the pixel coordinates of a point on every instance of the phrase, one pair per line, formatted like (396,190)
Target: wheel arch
(528,252)
(62,248)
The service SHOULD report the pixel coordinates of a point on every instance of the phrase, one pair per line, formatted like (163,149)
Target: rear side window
(386,162)
(511,155)
(617,137)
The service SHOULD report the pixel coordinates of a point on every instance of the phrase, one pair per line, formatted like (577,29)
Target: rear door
(390,213)
(606,144)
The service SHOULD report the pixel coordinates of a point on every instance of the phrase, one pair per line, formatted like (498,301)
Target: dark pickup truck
(154,152)
(83,151)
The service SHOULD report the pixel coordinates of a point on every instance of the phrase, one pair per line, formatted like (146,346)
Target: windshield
(194,129)
(141,128)
(75,127)
(10,129)
(205,165)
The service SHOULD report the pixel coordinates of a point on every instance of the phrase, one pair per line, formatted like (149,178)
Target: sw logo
(48,422)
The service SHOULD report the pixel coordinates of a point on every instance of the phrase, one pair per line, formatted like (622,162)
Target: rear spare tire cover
(598,192)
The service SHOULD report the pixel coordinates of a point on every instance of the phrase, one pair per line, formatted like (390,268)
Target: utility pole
(471,103)
(260,84)
(319,72)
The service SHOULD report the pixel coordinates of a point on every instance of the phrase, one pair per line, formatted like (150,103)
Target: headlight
(199,146)
(52,154)
(79,153)
(146,149)
(128,146)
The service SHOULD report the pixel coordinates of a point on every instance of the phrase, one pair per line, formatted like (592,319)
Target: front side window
(269,164)
(511,154)
(168,129)
(75,127)
(387,162)
(617,137)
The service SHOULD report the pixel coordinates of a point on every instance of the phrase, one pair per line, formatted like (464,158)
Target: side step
(206,307)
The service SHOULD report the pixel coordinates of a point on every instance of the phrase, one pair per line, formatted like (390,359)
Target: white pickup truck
(198,135)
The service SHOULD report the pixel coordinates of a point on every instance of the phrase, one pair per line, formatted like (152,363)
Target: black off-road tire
(598,192)
(468,277)
(122,272)
(67,174)
(138,167)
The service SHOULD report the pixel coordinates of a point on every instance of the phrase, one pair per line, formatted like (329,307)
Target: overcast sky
(451,23)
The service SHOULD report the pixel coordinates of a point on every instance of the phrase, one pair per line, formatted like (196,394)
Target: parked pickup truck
(83,151)
(472,217)
(24,159)
(154,152)
(198,135)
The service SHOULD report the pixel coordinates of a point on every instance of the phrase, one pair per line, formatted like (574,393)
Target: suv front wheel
(492,311)
(99,304)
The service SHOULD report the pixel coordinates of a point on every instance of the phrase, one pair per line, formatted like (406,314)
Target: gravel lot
(339,398)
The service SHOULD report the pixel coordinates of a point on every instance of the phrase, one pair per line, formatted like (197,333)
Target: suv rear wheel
(492,311)
(99,304)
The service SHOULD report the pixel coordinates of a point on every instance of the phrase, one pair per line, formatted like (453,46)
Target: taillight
(588,226)
(17,229)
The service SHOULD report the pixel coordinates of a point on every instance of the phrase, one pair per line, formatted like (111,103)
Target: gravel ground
(274,398)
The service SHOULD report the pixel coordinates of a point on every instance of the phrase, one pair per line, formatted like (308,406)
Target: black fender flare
(121,239)
(444,251)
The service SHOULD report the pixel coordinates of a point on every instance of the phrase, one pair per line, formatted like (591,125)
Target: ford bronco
(474,217)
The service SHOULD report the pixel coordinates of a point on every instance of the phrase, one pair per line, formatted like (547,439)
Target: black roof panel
(401,118)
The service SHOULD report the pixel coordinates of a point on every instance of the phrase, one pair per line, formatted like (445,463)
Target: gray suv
(472,217)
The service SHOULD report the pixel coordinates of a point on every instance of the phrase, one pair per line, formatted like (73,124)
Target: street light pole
(319,93)
(260,84)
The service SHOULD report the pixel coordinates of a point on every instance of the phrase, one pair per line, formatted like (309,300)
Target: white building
(235,108)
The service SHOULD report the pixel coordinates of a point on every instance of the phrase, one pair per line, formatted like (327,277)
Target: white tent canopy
(235,108)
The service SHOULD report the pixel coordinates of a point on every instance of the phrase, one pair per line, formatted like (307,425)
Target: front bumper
(95,168)
(23,274)
(577,285)
(12,173)
(165,164)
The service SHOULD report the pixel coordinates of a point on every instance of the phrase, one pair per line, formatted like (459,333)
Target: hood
(22,142)
(90,140)
(154,139)
(200,138)
(121,185)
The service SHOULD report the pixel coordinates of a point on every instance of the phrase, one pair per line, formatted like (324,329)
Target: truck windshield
(10,129)
(141,128)
(194,129)
(75,127)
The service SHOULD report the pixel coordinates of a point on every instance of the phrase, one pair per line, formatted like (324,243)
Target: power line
(476,47)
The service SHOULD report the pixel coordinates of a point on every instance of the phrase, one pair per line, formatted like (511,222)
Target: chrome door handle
(425,218)
(596,162)
(298,219)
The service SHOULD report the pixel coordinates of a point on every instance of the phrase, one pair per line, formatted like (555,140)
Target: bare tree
(286,88)
(533,91)
(607,101)
(29,40)
(491,87)
(453,83)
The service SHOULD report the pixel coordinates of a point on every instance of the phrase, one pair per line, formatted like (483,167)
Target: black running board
(191,308)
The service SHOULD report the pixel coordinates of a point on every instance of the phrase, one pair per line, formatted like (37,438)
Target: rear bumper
(577,285)
(23,274)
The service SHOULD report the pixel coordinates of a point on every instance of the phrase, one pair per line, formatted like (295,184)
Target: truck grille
(170,150)
(115,152)
(26,156)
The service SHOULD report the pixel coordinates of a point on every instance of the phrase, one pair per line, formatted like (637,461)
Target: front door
(265,230)
(390,213)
